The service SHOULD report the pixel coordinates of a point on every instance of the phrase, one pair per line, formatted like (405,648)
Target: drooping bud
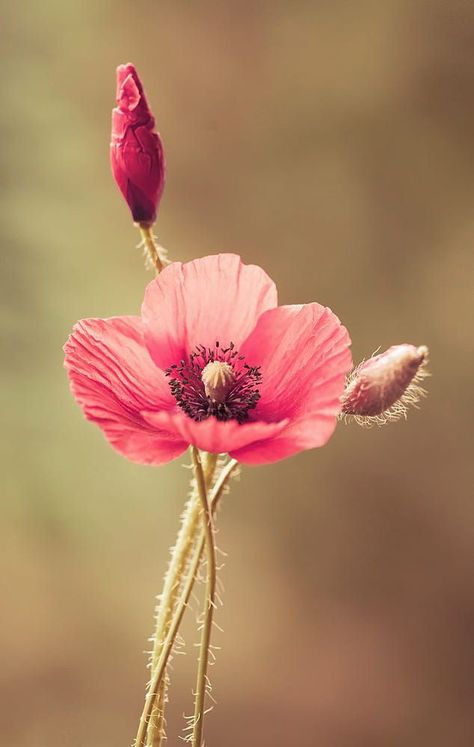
(136,151)
(217,377)
(381,389)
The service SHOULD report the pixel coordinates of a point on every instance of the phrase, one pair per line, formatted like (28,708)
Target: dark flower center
(215,381)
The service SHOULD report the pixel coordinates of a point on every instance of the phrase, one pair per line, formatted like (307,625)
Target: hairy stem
(156,731)
(209,603)
(172,585)
(151,247)
(180,556)
(188,583)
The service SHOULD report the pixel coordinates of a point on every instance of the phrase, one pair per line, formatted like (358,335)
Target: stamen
(215,381)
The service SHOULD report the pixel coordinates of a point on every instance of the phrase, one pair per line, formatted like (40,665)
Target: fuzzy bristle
(369,383)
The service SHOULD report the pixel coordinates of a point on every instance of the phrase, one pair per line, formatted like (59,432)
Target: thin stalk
(187,587)
(209,603)
(179,561)
(172,586)
(151,247)
(156,731)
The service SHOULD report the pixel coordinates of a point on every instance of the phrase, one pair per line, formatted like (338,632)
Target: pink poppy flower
(212,361)
(136,151)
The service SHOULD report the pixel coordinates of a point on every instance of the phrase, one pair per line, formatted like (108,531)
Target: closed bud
(136,151)
(381,389)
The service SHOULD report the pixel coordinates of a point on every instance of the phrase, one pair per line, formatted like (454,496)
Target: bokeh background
(331,142)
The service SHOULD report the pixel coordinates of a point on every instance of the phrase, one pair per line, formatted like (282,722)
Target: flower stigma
(215,381)
(217,377)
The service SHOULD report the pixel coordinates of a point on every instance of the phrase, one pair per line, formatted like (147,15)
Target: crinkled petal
(303,352)
(304,356)
(216,298)
(214,435)
(113,379)
(299,435)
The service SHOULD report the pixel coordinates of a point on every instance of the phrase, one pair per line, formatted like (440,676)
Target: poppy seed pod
(136,151)
(381,388)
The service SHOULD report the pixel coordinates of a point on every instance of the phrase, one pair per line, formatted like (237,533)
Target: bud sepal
(382,388)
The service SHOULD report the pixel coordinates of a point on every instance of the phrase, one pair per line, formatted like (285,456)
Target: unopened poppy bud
(382,388)
(136,151)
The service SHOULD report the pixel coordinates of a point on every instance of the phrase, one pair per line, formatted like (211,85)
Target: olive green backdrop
(333,143)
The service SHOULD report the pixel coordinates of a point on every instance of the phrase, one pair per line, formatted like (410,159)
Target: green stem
(151,247)
(172,585)
(209,603)
(179,562)
(188,583)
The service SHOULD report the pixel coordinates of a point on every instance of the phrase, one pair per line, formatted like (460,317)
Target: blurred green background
(332,143)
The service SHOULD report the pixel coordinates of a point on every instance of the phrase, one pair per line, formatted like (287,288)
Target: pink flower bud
(136,151)
(381,388)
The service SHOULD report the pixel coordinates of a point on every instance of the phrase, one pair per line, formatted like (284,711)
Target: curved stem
(181,605)
(209,603)
(151,247)
(179,562)
(156,731)
(172,586)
